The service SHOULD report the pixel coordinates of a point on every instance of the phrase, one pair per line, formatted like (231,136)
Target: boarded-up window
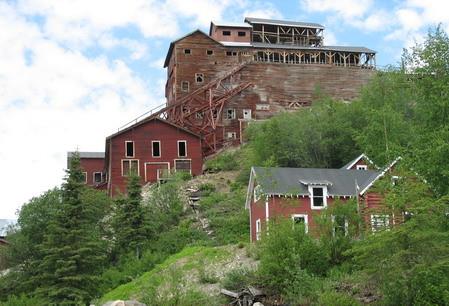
(183,165)
(130,166)
(129,148)
(185,86)
(156,148)
(182,148)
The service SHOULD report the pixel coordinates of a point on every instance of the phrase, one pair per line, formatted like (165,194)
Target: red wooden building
(154,149)
(92,165)
(301,193)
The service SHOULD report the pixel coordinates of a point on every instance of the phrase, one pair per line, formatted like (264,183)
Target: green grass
(190,257)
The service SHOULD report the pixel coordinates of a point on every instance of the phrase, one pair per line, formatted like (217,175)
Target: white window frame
(231,135)
(152,148)
(258,229)
(227,117)
(126,149)
(177,144)
(306,220)
(312,206)
(174,163)
(248,110)
(346,226)
(199,74)
(257,193)
(362,167)
(85,176)
(188,86)
(93,177)
(386,219)
(129,161)
(190,51)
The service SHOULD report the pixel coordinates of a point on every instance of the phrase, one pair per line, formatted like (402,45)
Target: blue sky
(72,72)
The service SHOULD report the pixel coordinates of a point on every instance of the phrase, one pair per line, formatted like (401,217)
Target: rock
(124,303)
(257,304)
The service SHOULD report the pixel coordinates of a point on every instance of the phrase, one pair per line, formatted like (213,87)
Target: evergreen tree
(129,223)
(73,249)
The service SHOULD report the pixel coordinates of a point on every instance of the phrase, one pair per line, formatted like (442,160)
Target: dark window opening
(182,148)
(231,53)
(318,198)
(242,33)
(210,52)
(199,77)
(187,51)
(98,177)
(226,33)
(129,149)
(156,148)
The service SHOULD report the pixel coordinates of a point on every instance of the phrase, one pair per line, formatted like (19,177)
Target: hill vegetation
(74,245)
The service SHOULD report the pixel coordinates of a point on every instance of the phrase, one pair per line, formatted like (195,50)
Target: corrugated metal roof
(87,154)
(235,44)
(231,24)
(292,181)
(313,25)
(323,48)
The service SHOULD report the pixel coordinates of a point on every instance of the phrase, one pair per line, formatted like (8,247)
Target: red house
(92,165)
(301,193)
(153,148)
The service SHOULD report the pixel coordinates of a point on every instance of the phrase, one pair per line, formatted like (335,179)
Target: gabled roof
(252,20)
(380,175)
(295,181)
(149,119)
(356,160)
(86,154)
(172,44)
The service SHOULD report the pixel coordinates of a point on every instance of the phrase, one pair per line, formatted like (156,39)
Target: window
(246,114)
(187,51)
(362,167)
(231,53)
(209,52)
(199,78)
(84,177)
(318,197)
(257,193)
(301,220)
(379,222)
(231,135)
(230,114)
(199,115)
(226,33)
(129,148)
(258,229)
(183,165)
(263,107)
(97,177)
(182,148)
(156,148)
(185,86)
(241,33)
(339,226)
(130,166)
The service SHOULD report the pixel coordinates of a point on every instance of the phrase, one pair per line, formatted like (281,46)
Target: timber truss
(201,110)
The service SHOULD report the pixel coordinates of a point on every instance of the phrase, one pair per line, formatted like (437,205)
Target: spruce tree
(129,220)
(73,247)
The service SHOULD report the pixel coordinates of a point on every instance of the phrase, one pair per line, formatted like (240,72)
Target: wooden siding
(142,136)
(91,165)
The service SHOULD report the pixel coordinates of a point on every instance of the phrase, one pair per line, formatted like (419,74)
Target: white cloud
(345,8)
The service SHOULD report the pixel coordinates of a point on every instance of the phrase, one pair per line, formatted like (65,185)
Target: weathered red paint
(142,135)
(90,166)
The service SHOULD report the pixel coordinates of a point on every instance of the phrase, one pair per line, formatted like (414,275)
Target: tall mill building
(218,82)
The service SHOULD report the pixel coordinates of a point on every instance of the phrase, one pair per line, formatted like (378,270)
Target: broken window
(130,166)
(301,220)
(226,33)
(97,177)
(210,52)
(182,148)
(199,115)
(199,77)
(242,33)
(231,135)
(187,51)
(230,114)
(379,222)
(156,148)
(185,86)
(129,148)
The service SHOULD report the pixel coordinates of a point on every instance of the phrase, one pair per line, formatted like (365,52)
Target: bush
(24,300)
(238,278)
(336,299)
(226,161)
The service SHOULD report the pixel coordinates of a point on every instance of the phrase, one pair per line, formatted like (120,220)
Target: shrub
(226,161)
(336,299)
(24,300)
(238,278)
